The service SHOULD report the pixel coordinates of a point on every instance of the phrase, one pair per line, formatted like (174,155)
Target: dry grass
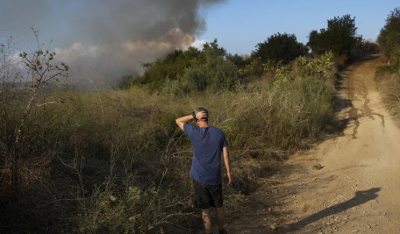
(389,86)
(115,161)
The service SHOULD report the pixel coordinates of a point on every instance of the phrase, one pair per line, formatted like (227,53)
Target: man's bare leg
(205,214)
(221,218)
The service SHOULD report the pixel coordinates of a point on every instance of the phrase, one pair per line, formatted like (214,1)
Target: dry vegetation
(388,75)
(389,85)
(115,162)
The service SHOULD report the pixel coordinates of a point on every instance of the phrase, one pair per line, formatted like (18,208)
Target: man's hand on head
(200,115)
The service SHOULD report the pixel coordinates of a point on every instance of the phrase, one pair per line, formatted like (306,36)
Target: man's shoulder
(187,127)
(216,130)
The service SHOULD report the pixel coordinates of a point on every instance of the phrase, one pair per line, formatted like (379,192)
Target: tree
(238,60)
(370,47)
(389,36)
(163,69)
(42,71)
(317,42)
(342,34)
(280,48)
(339,37)
(126,81)
(191,70)
(210,70)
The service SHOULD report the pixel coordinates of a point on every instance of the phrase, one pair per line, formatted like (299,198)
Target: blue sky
(239,25)
(114,38)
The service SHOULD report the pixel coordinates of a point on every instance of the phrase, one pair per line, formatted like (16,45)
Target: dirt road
(347,184)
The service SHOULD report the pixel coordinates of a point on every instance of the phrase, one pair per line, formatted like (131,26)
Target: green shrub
(280,48)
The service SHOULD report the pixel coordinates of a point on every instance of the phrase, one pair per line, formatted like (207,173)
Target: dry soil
(349,183)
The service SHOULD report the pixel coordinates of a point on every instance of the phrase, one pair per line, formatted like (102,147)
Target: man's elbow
(225,150)
(179,123)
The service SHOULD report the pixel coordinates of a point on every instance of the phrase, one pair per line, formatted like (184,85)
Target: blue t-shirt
(207,148)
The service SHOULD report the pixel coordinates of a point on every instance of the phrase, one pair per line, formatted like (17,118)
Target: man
(208,144)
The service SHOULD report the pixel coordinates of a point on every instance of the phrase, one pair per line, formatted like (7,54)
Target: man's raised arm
(182,120)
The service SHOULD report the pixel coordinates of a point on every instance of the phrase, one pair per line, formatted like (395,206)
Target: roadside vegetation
(388,75)
(114,161)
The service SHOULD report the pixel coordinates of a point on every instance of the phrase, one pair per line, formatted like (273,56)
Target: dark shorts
(207,195)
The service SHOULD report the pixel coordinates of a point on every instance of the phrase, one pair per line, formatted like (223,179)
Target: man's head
(202,114)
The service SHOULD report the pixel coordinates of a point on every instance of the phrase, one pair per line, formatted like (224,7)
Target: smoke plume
(111,37)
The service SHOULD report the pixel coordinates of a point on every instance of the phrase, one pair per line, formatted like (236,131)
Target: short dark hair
(204,110)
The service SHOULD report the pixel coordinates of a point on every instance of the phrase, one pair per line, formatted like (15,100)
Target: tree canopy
(170,67)
(389,37)
(340,37)
(279,48)
(190,70)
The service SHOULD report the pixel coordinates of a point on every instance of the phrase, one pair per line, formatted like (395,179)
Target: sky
(240,25)
(114,38)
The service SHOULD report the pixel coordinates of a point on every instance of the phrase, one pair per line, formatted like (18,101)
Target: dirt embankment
(349,183)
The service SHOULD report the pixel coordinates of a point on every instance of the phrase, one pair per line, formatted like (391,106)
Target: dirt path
(347,184)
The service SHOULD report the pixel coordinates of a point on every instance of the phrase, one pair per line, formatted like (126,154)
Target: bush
(279,48)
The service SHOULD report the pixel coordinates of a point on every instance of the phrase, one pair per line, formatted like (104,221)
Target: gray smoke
(112,38)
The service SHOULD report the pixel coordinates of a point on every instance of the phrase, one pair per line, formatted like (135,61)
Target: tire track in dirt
(357,189)
(348,183)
